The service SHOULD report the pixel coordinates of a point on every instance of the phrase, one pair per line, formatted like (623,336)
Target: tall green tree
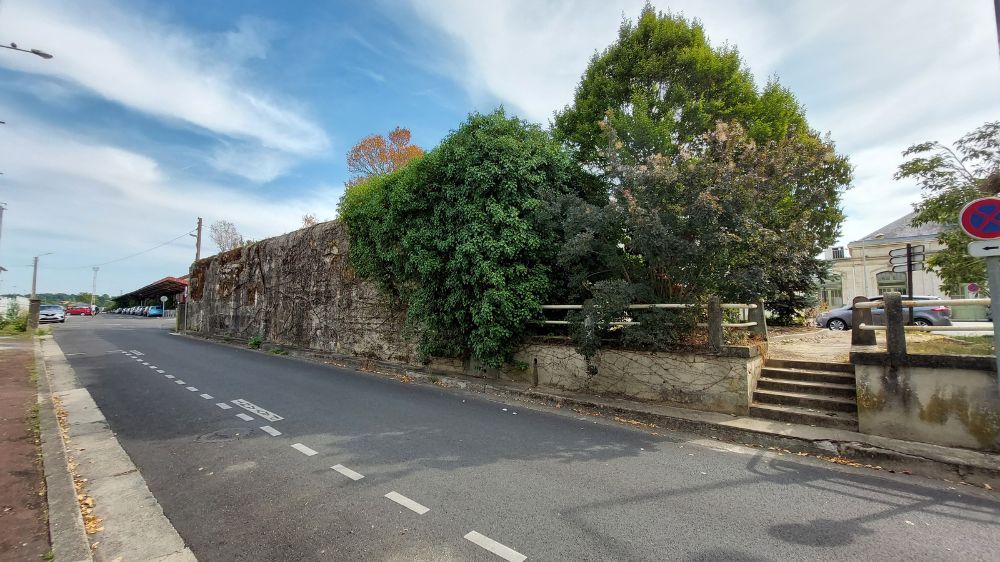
(950,177)
(662,97)
(463,237)
(661,84)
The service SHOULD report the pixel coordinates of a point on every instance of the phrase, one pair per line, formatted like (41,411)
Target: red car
(78,311)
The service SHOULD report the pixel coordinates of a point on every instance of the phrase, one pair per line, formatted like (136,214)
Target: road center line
(298,446)
(169,376)
(180,382)
(407,503)
(207,396)
(145,363)
(347,472)
(152,366)
(160,371)
(493,546)
(224,406)
(192,389)
(270,430)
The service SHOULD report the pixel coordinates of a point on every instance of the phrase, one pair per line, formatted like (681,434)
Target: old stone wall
(952,401)
(296,290)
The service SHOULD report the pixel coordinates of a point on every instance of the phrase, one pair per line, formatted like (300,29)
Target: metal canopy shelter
(168,286)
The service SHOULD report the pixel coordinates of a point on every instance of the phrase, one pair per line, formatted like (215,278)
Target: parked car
(51,313)
(154,311)
(79,310)
(930,315)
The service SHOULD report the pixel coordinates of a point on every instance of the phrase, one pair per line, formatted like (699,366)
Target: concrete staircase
(806,392)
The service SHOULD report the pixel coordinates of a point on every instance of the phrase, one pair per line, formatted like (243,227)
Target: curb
(854,449)
(69,541)
(134,525)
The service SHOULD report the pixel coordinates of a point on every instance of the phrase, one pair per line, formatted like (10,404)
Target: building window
(890,281)
(838,253)
(831,292)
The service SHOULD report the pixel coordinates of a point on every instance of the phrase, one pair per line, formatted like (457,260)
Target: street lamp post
(36,52)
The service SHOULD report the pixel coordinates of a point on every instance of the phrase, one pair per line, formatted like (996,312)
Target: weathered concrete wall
(296,290)
(714,382)
(952,401)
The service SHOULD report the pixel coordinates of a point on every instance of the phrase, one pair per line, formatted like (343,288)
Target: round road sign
(981,218)
(163,298)
(973,287)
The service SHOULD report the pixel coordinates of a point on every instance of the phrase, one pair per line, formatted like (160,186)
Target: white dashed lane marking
(192,389)
(493,546)
(169,376)
(160,371)
(270,430)
(299,447)
(244,417)
(152,366)
(180,382)
(347,472)
(145,363)
(407,503)
(223,405)
(207,396)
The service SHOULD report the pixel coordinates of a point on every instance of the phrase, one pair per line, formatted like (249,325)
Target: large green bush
(463,237)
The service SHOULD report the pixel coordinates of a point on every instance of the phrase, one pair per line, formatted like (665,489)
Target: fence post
(861,316)
(714,323)
(757,315)
(895,335)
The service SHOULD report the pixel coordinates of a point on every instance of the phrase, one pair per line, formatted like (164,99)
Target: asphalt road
(540,483)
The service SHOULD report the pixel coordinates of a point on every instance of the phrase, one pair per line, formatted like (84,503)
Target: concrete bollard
(895,334)
(714,323)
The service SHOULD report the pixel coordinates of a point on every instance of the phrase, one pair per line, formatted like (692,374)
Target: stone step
(805,416)
(805,400)
(791,374)
(810,365)
(808,387)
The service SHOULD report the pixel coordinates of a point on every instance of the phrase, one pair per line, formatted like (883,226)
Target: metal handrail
(929,328)
(700,325)
(648,306)
(932,302)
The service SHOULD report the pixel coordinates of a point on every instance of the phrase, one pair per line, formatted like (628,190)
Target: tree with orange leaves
(376,155)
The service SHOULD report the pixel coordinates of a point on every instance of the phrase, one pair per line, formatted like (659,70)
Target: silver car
(930,315)
(51,313)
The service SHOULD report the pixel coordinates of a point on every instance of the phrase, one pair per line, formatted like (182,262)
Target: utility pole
(93,292)
(197,246)
(34,279)
(3,207)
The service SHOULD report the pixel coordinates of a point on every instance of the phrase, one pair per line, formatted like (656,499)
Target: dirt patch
(24,533)
(814,345)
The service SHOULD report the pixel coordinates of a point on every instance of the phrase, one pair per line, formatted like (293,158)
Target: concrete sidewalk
(834,445)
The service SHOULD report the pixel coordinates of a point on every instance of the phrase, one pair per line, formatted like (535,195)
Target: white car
(51,313)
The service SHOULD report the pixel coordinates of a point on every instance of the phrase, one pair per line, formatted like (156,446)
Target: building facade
(863,268)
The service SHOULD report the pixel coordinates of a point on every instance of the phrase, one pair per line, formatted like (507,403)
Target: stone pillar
(34,305)
(895,334)
(714,323)
(757,315)
(861,316)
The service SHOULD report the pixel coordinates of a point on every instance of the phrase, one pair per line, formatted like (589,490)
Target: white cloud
(162,70)
(876,74)
(91,202)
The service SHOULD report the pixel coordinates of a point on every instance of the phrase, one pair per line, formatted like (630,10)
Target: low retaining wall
(944,400)
(715,382)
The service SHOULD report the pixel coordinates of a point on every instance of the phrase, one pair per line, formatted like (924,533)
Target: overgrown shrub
(463,238)
(255,342)
(14,321)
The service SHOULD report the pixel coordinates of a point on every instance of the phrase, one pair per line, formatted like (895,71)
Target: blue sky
(153,113)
